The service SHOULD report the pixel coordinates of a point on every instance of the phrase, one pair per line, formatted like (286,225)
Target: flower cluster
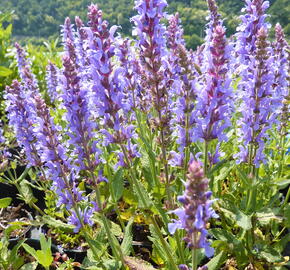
(281,84)
(22,115)
(183,90)
(253,19)
(27,77)
(196,210)
(108,88)
(52,78)
(154,55)
(37,133)
(214,101)
(75,96)
(257,108)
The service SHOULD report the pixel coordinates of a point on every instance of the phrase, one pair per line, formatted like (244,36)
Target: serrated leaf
(217,261)
(55,223)
(126,245)
(116,229)
(5,202)
(156,243)
(26,192)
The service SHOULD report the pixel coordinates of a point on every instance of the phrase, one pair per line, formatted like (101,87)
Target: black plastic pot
(7,190)
(75,254)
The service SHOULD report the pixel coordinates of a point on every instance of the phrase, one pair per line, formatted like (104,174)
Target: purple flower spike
(214,103)
(252,21)
(52,79)
(110,83)
(153,54)
(22,116)
(81,128)
(281,84)
(24,69)
(196,210)
(257,107)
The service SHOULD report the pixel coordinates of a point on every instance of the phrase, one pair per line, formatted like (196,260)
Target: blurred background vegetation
(38,20)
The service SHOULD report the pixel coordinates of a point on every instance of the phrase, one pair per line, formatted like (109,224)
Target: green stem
(113,242)
(165,164)
(281,163)
(194,253)
(165,245)
(205,157)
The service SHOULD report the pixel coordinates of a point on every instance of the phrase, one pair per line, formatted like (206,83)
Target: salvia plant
(192,144)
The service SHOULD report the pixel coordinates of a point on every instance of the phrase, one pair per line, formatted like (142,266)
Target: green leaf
(283,183)
(243,220)
(245,179)
(100,249)
(271,255)
(44,258)
(112,264)
(287,215)
(126,245)
(14,251)
(4,71)
(5,202)
(29,266)
(30,250)
(55,223)
(117,185)
(268,215)
(222,234)
(217,261)
(45,245)
(147,203)
(26,192)
(156,243)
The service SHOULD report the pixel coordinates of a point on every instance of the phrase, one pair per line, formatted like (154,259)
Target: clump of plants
(156,156)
